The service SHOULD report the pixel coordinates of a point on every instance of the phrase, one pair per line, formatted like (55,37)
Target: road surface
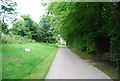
(67,65)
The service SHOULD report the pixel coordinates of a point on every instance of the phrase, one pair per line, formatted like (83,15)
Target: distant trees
(42,32)
(26,27)
(91,27)
(45,32)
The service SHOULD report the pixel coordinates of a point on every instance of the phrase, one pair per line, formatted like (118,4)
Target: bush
(115,51)
(14,39)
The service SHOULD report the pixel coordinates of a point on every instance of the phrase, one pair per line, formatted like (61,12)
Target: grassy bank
(18,64)
(83,55)
(107,68)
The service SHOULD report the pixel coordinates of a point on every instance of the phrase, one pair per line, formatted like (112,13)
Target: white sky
(32,7)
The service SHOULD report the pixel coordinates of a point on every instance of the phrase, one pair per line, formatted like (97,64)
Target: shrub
(14,39)
(115,51)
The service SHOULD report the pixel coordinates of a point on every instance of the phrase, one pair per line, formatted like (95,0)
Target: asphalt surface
(67,65)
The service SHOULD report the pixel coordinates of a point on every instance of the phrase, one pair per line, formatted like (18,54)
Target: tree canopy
(26,27)
(91,27)
(45,30)
(41,32)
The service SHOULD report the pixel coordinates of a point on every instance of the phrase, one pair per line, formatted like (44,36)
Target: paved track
(68,65)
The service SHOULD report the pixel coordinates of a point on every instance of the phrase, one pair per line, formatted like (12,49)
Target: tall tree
(26,27)
(31,24)
(45,31)
(91,27)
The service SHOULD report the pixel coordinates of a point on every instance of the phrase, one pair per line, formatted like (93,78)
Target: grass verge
(104,67)
(42,69)
(109,70)
(83,55)
(18,64)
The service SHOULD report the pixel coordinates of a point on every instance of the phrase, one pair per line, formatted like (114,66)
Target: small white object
(27,49)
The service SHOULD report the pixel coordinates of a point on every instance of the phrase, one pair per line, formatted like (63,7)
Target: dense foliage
(42,32)
(26,27)
(91,27)
(4,28)
(45,32)
(14,39)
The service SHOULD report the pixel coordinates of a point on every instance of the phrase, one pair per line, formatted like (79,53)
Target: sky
(32,7)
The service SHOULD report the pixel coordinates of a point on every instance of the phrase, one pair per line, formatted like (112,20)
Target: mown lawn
(18,64)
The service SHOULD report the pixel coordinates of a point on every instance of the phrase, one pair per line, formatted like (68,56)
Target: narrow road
(68,65)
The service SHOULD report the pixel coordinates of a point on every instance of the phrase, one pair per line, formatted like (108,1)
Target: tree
(7,12)
(26,27)
(91,27)
(4,28)
(45,32)
(32,25)
(19,28)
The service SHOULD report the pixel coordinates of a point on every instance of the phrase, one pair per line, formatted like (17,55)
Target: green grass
(109,70)
(18,64)
(83,55)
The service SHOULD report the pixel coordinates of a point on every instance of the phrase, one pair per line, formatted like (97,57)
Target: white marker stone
(27,49)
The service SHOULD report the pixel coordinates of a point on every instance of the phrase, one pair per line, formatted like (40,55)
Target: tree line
(91,27)
(26,27)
